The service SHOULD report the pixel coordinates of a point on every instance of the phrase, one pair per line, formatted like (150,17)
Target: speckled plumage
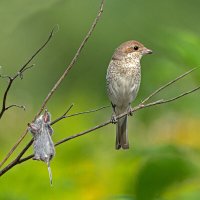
(123,82)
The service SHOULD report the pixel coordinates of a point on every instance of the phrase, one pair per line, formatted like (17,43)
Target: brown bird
(123,82)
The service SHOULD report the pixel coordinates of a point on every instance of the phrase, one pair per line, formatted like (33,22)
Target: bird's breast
(123,81)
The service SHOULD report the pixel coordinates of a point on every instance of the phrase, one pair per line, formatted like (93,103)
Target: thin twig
(57,120)
(162,101)
(62,116)
(5,76)
(70,107)
(55,87)
(20,74)
(87,112)
(168,84)
(3,108)
(136,108)
(18,159)
(31,141)
(79,113)
(11,79)
(24,150)
(15,105)
(84,132)
(139,107)
(40,49)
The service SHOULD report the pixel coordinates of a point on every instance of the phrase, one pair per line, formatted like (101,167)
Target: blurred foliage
(163,162)
(158,173)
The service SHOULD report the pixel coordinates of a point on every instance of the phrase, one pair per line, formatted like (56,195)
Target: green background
(163,162)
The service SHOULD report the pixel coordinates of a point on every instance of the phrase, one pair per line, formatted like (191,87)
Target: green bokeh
(163,162)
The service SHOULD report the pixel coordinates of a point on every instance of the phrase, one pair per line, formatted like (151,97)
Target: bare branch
(168,84)
(5,97)
(11,80)
(39,50)
(55,87)
(70,107)
(87,112)
(14,105)
(64,116)
(5,76)
(84,132)
(162,101)
(21,73)
(139,107)
(24,150)
(22,160)
(57,120)
(19,160)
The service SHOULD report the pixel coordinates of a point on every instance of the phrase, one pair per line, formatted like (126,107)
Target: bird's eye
(136,48)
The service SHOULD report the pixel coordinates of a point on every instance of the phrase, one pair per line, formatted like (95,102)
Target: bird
(123,81)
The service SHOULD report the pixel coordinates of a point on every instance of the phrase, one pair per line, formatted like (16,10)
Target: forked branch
(57,84)
(142,105)
(20,74)
(18,159)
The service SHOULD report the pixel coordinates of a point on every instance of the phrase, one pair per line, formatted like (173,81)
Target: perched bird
(123,82)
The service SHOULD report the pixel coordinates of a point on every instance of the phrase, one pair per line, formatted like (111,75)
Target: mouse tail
(50,173)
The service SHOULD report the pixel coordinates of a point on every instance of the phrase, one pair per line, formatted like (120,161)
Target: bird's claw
(130,112)
(113,119)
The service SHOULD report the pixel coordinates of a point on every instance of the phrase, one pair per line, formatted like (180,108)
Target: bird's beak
(147,51)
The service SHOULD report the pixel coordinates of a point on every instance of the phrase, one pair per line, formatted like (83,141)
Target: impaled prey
(43,145)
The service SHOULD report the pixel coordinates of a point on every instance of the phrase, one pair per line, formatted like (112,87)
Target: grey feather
(43,145)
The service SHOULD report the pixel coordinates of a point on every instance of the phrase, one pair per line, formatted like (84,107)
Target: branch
(168,84)
(139,107)
(20,74)
(64,116)
(5,76)
(31,141)
(55,87)
(14,105)
(23,68)
(19,160)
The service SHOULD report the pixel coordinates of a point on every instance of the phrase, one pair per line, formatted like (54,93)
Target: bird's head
(131,48)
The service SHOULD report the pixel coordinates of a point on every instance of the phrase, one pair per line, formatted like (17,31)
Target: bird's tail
(50,173)
(122,134)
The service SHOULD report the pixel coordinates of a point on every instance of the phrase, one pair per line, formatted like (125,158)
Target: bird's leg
(113,117)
